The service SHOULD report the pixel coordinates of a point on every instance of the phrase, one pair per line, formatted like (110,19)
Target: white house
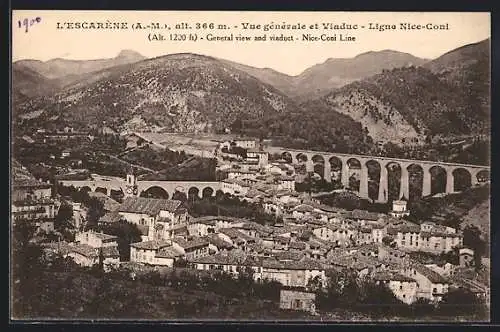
(404,288)
(154,253)
(430,284)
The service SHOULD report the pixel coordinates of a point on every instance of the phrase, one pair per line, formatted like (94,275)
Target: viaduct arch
(347,162)
(208,188)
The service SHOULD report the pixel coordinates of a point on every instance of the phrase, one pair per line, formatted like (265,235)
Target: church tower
(131,186)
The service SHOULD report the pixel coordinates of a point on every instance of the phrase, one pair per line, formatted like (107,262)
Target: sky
(44,41)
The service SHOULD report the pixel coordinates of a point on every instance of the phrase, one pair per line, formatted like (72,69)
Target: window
(434,290)
(401,287)
(404,296)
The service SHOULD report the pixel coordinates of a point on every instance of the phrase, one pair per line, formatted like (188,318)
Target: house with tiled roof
(162,217)
(426,237)
(109,204)
(299,246)
(362,265)
(293,273)
(31,199)
(201,226)
(430,284)
(253,229)
(96,239)
(288,255)
(392,255)
(192,248)
(403,287)
(235,237)
(216,244)
(230,262)
(235,187)
(84,254)
(154,252)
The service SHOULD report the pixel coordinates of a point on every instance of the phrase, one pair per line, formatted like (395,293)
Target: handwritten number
(27,23)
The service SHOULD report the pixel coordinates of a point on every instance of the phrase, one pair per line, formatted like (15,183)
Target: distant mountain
(32,78)
(333,73)
(383,96)
(57,68)
(178,92)
(280,81)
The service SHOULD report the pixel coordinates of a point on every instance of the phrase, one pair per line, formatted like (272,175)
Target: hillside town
(301,242)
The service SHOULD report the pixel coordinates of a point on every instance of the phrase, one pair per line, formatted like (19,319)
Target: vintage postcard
(250,166)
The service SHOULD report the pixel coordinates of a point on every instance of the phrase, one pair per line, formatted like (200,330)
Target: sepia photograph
(233,166)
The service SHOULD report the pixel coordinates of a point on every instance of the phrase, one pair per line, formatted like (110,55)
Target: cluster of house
(253,183)
(312,240)
(31,199)
(90,248)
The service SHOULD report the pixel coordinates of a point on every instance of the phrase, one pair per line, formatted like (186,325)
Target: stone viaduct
(106,184)
(312,158)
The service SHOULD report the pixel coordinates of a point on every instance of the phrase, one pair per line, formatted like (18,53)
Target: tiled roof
(168,252)
(105,237)
(191,244)
(234,257)
(433,276)
(111,217)
(151,245)
(297,245)
(360,214)
(391,276)
(234,234)
(305,264)
(288,255)
(218,242)
(356,262)
(150,206)
(251,225)
(110,252)
(219,218)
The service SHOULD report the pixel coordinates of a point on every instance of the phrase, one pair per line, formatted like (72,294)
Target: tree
(180,196)
(26,267)
(472,239)
(315,284)
(388,241)
(95,211)
(64,216)
(461,302)
(127,233)
(377,299)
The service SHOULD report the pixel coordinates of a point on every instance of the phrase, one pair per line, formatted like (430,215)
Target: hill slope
(408,103)
(27,83)
(467,68)
(179,92)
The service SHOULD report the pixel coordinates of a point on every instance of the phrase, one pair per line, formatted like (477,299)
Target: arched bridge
(347,163)
(165,188)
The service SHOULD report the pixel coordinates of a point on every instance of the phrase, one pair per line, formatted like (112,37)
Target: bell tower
(131,185)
